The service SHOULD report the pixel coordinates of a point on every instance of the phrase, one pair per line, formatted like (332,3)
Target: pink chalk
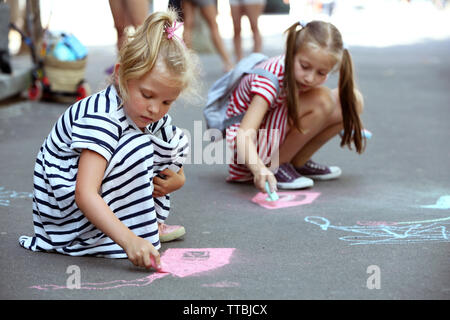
(286,199)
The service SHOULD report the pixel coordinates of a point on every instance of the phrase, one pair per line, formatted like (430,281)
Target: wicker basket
(64,76)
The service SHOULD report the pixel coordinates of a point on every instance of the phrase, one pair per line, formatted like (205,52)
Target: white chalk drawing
(382,232)
(442,203)
(435,230)
(7,195)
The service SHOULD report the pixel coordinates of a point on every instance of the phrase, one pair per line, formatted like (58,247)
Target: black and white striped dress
(99,123)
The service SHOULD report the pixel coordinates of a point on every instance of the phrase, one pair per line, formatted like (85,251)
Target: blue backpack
(220,92)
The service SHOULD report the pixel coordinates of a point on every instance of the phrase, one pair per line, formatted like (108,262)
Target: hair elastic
(170,30)
(303,23)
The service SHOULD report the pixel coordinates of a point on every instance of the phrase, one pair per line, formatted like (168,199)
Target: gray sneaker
(288,178)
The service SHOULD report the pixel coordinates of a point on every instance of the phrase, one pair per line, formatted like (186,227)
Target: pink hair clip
(171,30)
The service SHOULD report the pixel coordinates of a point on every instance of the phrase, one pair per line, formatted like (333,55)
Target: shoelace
(311,164)
(288,171)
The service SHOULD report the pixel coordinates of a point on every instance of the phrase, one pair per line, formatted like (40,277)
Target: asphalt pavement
(380,231)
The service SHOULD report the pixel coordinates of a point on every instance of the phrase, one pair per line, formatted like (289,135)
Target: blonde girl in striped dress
(96,185)
(283,129)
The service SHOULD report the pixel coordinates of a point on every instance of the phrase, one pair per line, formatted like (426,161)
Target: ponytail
(289,83)
(153,41)
(351,120)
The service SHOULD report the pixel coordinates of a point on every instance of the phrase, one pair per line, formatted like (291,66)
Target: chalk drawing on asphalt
(177,262)
(286,199)
(7,195)
(383,232)
(398,233)
(442,203)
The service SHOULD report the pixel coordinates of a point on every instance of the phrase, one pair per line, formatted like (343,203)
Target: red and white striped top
(254,84)
(274,122)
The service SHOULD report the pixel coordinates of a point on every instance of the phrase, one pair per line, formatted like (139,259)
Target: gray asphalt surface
(278,255)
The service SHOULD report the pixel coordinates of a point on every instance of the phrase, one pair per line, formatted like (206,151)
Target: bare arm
(91,168)
(246,147)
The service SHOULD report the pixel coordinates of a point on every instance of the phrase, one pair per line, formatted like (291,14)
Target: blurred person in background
(308,10)
(252,9)
(127,13)
(208,10)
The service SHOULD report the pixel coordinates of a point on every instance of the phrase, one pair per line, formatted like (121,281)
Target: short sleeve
(265,88)
(97,132)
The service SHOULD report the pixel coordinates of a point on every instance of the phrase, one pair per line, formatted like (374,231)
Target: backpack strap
(260,72)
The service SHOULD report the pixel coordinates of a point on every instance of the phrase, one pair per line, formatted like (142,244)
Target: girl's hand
(172,182)
(260,177)
(139,250)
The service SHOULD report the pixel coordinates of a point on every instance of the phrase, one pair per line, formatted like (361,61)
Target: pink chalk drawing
(186,262)
(178,262)
(286,199)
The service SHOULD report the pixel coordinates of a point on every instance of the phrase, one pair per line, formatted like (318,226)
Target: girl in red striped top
(281,130)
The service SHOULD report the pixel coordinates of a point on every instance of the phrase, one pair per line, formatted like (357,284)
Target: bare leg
(137,11)
(315,144)
(188,12)
(321,119)
(120,21)
(209,13)
(236,14)
(253,11)
(127,13)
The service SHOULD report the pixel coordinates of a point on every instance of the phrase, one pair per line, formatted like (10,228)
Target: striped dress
(274,126)
(98,123)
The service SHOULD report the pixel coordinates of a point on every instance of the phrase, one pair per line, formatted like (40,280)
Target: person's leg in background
(253,12)
(189,15)
(236,14)
(209,13)
(127,13)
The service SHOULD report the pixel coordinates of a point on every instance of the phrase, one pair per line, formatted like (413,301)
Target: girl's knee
(359,101)
(318,109)
(358,96)
(323,101)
